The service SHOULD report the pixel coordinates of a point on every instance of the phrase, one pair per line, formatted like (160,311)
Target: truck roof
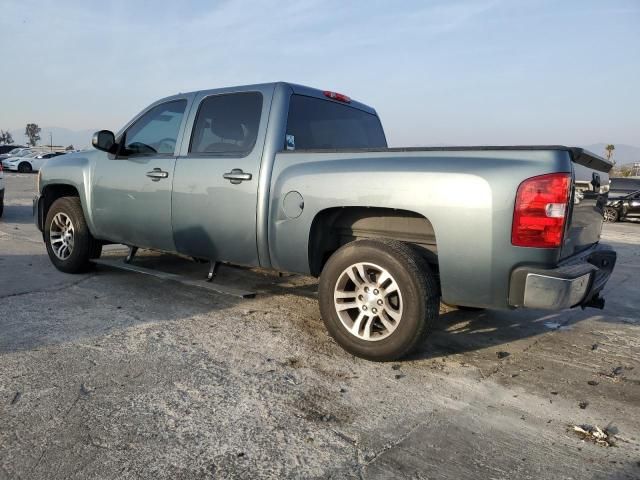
(297,89)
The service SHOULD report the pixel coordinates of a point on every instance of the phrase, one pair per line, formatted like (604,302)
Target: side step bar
(207,285)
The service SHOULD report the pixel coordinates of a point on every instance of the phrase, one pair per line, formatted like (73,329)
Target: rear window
(314,123)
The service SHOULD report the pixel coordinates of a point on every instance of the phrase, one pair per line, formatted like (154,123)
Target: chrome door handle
(237,176)
(156,174)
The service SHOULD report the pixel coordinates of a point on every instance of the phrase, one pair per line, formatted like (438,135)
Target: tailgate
(588,199)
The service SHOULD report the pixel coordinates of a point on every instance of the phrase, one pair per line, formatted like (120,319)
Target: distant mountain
(61,136)
(623,154)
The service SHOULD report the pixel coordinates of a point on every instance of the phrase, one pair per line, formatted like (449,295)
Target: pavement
(117,375)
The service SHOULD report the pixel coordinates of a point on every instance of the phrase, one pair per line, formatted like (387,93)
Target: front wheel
(69,243)
(611,214)
(378,299)
(24,167)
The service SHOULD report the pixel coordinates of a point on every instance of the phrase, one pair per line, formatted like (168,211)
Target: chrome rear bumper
(577,281)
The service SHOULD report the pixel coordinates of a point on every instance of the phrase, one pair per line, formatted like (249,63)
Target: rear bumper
(577,281)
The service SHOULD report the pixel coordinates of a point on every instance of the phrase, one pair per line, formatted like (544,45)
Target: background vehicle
(15,153)
(1,191)
(30,163)
(622,207)
(6,150)
(297,179)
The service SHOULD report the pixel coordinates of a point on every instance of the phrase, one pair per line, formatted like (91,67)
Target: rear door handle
(237,176)
(156,174)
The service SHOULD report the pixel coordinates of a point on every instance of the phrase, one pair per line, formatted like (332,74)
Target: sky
(443,72)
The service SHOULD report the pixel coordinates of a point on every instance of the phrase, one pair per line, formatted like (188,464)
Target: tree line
(31,131)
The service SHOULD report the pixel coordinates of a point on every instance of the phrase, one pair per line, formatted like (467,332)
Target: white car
(14,152)
(22,152)
(29,163)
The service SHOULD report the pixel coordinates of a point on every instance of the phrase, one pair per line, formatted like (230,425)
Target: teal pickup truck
(296,179)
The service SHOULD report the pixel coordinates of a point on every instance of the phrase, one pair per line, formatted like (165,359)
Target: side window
(156,132)
(227,124)
(315,123)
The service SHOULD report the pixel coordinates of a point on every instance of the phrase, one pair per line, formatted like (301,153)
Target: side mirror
(104,140)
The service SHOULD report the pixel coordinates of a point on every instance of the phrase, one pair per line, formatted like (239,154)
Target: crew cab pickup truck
(296,179)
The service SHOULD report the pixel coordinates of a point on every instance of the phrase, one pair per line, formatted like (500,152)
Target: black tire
(417,283)
(24,167)
(611,214)
(85,246)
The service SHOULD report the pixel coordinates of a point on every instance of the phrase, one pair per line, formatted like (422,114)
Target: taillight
(337,96)
(540,211)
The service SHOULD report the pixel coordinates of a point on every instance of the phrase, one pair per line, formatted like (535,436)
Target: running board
(211,286)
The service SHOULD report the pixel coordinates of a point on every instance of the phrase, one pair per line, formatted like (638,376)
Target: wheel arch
(333,227)
(51,193)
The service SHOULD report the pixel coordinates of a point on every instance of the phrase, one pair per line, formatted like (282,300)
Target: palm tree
(610,148)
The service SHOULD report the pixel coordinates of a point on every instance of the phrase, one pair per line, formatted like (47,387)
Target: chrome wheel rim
(609,215)
(61,236)
(368,301)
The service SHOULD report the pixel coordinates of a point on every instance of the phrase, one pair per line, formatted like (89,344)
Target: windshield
(23,153)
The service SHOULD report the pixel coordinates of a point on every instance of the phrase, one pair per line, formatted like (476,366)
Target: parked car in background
(29,163)
(16,152)
(5,150)
(1,191)
(622,206)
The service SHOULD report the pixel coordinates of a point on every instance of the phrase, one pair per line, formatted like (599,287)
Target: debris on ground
(594,346)
(594,434)
(593,383)
(16,397)
(615,373)
(583,405)
(502,355)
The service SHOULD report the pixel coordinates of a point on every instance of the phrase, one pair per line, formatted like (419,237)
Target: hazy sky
(438,72)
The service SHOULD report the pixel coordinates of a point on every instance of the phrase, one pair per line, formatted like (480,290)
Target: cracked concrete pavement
(118,375)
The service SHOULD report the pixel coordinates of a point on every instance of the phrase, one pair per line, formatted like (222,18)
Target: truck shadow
(18,214)
(108,300)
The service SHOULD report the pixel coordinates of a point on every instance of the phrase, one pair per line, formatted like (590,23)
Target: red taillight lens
(337,96)
(540,211)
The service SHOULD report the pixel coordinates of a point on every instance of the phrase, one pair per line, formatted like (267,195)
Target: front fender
(60,174)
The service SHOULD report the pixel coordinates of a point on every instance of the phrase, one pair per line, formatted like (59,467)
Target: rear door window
(314,123)
(227,124)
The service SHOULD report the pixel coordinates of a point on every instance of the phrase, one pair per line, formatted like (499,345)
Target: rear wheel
(611,214)
(24,167)
(69,243)
(378,299)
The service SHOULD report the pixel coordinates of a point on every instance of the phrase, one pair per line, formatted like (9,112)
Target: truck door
(216,178)
(131,191)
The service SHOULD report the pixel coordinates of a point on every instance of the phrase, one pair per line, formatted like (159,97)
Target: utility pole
(50,142)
